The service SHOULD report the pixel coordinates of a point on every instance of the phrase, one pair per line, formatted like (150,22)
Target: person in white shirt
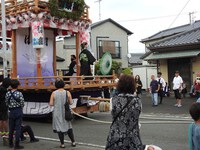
(162,84)
(177,87)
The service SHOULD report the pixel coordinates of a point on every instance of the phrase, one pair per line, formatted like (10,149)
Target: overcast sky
(144,17)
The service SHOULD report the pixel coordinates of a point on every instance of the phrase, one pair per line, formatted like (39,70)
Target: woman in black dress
(138,85)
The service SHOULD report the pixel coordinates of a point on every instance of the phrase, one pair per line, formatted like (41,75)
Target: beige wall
(115,34)
(65,53)
(195,67)
(164,70)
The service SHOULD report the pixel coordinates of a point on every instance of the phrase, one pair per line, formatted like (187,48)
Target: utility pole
(3,16)
(191,17)
(99,1)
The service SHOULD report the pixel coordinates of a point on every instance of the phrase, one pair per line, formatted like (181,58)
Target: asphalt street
(165,126)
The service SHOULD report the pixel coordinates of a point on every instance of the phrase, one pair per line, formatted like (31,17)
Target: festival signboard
(37,34)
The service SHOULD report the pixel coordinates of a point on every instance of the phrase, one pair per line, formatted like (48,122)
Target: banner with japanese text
(37,34)
(27,55)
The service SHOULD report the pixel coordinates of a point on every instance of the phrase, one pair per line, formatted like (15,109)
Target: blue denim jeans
(15,121)
(154,98)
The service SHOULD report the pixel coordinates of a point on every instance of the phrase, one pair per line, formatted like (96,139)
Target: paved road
(49,145)
(172,135)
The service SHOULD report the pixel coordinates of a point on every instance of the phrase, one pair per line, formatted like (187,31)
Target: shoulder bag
(68,113)
(128,101)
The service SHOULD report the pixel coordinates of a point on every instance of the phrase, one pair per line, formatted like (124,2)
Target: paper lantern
(76,23)
(13,20)
(19,18)
(8,21)
(32,15)
(26,17)
(61,20)
(41,15)
(87,26)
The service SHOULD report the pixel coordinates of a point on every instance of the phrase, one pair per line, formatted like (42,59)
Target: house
(168,33)
(176,49)
(135,60)
(65,47)
(106,35)
(139,67)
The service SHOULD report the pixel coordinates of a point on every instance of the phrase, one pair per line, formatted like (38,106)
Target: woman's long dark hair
(136,78)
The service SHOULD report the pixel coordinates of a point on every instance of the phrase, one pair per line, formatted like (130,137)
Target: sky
(144,17)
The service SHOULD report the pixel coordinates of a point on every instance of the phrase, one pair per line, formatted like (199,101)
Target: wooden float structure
(20,15)
(79,82)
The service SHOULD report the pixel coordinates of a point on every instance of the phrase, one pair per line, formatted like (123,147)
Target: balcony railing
(71,82)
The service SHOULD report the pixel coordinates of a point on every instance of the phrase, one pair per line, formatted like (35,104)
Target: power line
(179,13)
(99,1)
(150,18)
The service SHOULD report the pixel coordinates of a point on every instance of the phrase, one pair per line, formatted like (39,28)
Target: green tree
(127,71)
(116,67)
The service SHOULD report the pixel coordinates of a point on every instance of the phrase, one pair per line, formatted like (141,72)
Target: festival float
(33,26)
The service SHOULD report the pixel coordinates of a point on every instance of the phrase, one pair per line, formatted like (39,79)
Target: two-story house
(106,35)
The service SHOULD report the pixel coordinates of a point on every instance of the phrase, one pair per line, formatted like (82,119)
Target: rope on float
(94,120)
(142,122)
(105,107)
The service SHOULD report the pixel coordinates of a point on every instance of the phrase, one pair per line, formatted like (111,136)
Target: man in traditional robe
(86,59)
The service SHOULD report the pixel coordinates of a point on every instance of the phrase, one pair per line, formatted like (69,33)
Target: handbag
(68,113)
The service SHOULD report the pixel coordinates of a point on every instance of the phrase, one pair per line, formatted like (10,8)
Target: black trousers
(28,129)
(177,94)
(15,120)
(160,94)
(70,134)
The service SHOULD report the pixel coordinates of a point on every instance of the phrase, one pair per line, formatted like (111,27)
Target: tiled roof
(172,55)
(186,38)
(172,31)
(135,58)
(145,55)
(96,24)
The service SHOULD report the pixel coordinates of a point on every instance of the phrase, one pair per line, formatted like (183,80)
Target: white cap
(155,147)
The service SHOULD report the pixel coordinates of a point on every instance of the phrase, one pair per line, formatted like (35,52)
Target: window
(113,47)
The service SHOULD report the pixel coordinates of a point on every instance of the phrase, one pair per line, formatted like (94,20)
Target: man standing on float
(86,59)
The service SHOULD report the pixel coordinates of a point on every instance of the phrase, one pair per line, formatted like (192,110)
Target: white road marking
(66,141)
(150,119)
(160,116)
